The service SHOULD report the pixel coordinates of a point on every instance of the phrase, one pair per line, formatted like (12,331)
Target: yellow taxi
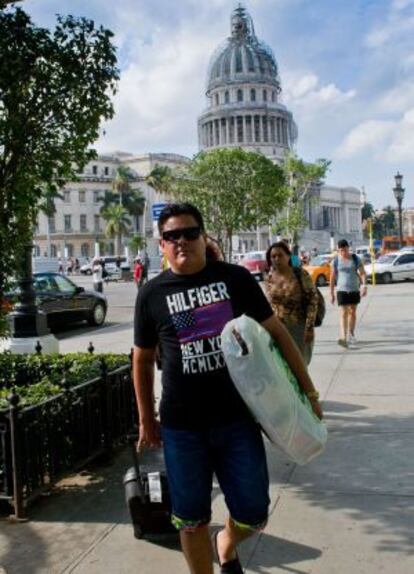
(319,268)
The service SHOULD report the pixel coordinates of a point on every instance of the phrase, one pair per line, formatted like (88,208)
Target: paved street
(351,511)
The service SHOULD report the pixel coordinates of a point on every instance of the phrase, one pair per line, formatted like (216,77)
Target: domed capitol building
(244,109)
(243,93)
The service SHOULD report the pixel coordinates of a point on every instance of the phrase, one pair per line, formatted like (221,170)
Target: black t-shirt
(185,315)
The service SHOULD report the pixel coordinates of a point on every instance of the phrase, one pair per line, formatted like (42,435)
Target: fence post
(19,509)
(106,402)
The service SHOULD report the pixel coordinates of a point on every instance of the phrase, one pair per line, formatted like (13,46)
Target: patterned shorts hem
(188,525)
(251,527)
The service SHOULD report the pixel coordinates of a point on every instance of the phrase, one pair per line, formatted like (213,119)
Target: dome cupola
(242,57)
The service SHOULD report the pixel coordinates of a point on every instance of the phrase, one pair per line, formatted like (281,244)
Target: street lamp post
(399,196)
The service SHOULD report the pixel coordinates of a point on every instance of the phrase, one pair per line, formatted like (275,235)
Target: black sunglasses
(189,233)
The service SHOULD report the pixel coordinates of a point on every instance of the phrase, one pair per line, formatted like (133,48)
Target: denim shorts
(236,454)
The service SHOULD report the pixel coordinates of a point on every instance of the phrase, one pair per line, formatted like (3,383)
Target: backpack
(320,313)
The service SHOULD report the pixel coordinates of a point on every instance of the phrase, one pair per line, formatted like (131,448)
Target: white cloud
(303,90)
(391,141)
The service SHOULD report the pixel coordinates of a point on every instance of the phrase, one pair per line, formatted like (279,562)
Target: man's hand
(149,435)
(316,407)
(363,290)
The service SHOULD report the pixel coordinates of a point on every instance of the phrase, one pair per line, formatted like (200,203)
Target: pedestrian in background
(97,275)
(138,272)
(348,276)
(292,296)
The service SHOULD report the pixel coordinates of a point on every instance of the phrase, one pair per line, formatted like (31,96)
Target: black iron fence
(41,443)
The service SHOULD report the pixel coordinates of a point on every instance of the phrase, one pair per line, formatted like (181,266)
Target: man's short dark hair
(176,209)
(342,243)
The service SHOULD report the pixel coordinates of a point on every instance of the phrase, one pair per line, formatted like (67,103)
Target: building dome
(242,57)
(243,89)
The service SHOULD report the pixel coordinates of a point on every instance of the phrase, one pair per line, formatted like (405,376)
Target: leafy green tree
(302,180)
(367,211)
(388,221)
(235,190)
(55,89)
(117,224)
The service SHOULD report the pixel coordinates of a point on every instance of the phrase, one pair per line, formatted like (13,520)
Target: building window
(85,250)
(265,95)
(52,224)
(273,96)
(106,171)
(96,195)
(82,196)
(36,251)
(216,99)
(68,223)
(97,223)
(69,249)
(265,135)
(256,128)
(83,224)
(226,97)
(240,129)
(239,61)
(239,95)
(66,196)
(253,95)
(53,250)
(95,170)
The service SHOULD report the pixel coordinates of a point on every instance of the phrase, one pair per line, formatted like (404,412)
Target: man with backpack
(348,275)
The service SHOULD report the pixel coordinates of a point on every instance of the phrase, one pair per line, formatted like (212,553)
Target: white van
(111,264)
(362,250)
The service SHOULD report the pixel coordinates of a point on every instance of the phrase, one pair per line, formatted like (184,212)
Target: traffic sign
(156,210)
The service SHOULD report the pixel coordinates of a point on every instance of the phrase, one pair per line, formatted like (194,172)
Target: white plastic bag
(270,390)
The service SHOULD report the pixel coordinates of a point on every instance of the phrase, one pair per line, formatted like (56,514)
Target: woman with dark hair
(293,297)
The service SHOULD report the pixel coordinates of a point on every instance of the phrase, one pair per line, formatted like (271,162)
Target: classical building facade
(77,228)
(244,109)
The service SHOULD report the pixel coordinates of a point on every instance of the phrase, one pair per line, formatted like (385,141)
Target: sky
(346,68)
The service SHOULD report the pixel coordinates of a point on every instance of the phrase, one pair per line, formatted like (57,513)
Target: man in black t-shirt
(205,426)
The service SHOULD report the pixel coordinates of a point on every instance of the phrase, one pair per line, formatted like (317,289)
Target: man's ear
(161,244)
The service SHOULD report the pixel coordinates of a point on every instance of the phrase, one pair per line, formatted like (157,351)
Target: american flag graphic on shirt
(202,322)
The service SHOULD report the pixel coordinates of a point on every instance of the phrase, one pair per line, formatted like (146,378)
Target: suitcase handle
(132,439)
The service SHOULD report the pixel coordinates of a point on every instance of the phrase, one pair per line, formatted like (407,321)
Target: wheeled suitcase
(146,492)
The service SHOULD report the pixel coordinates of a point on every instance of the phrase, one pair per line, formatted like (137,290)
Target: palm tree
(121,182)
(136,243)
(132,200)
(48,207)
(117,224)
(160,179)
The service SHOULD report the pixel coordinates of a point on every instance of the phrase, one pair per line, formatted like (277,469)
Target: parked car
(62,301)
(398,266)
(255,262)
(319,268)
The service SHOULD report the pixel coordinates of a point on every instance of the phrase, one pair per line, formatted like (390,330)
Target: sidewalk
(351,511)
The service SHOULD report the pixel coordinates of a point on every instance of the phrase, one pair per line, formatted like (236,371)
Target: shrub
(38,377)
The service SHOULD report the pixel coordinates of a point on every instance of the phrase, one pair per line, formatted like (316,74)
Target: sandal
(230,567)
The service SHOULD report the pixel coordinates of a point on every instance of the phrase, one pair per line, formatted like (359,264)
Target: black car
(63,301)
